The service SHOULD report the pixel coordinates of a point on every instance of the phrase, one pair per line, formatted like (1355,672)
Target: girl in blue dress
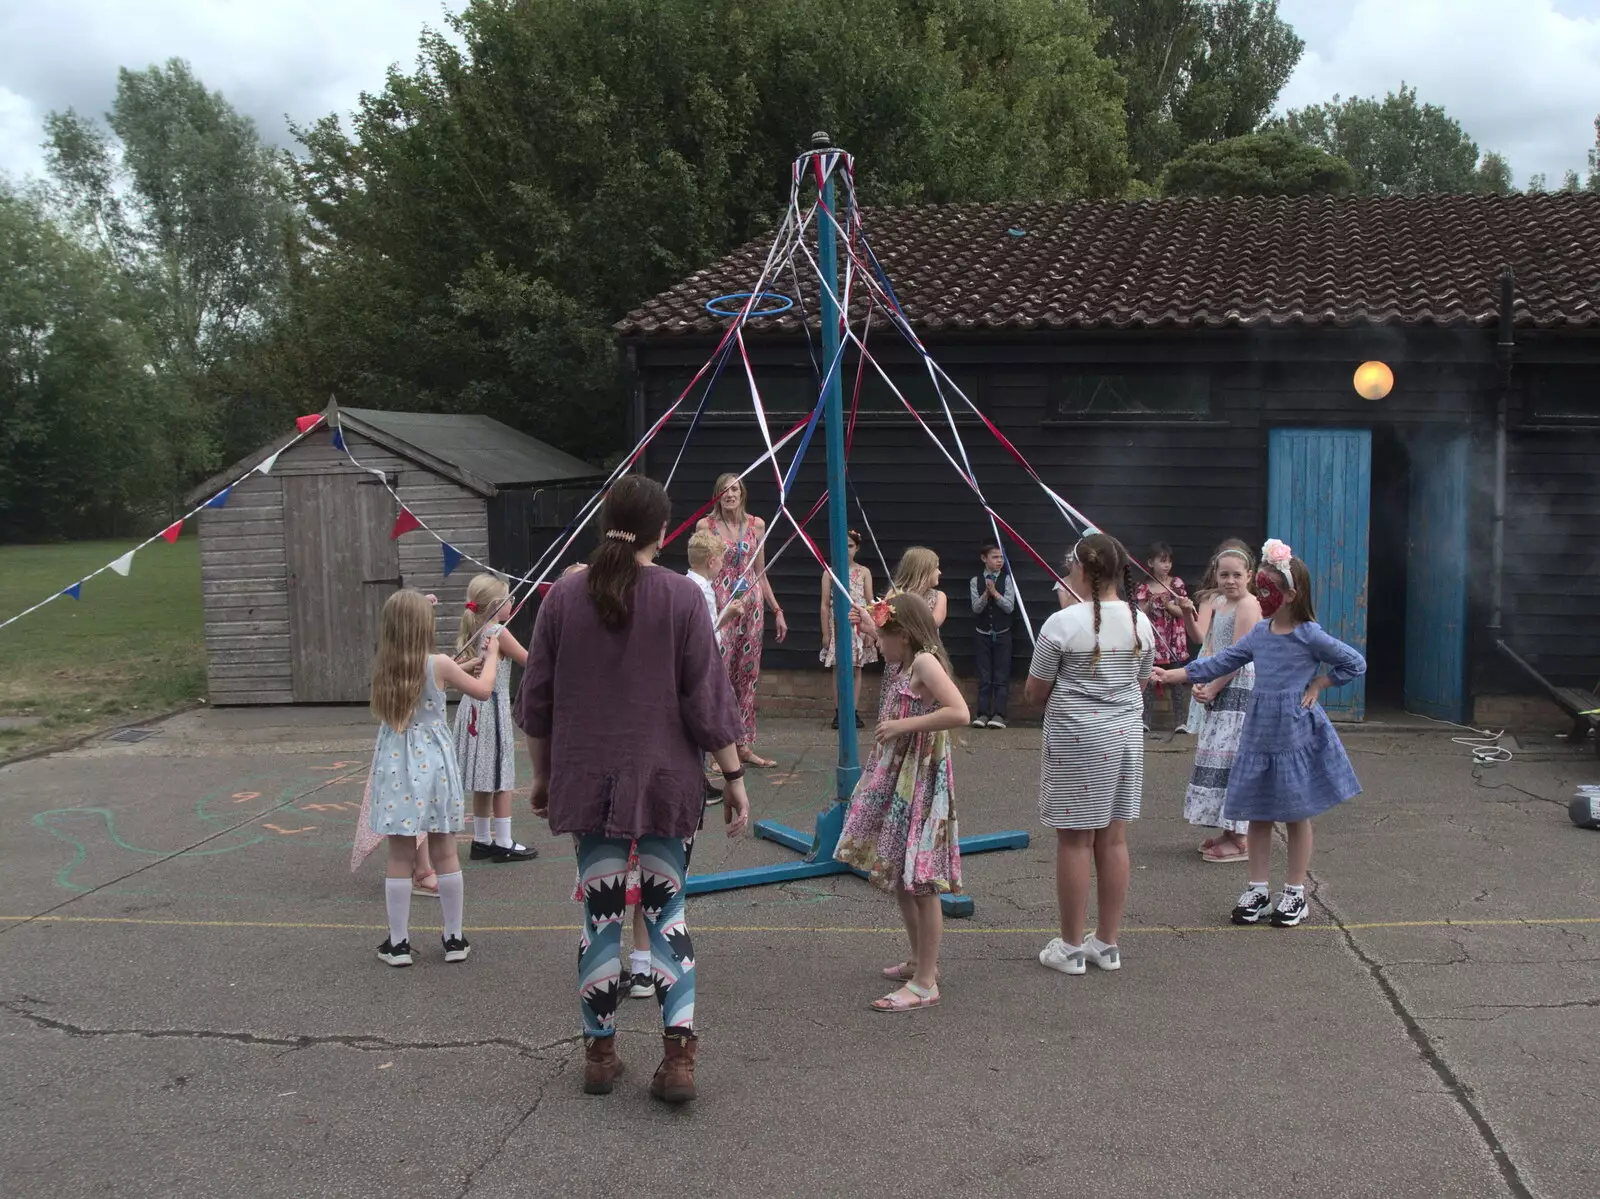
(1290,765)
(415,783)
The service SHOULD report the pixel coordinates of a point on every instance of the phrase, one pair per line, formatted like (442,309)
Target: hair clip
(619,535)
(882,613)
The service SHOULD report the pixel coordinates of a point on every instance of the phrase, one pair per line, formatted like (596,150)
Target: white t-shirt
(710,592)
(1072,628)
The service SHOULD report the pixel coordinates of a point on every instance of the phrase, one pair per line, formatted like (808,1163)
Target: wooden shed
(296,567)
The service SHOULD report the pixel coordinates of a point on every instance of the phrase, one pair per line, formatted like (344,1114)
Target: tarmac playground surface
(190,1003)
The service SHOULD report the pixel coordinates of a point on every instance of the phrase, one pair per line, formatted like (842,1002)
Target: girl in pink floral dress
(900,829)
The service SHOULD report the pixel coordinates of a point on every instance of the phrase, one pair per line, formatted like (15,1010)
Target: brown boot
(601,1065)
(674,1080)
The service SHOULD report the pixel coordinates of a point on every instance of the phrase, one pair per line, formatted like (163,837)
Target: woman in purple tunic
(624,690)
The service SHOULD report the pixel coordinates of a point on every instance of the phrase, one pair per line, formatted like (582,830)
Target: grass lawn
(129,646)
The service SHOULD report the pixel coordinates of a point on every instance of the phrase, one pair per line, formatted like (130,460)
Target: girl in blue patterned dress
(415,784)
(1290,765)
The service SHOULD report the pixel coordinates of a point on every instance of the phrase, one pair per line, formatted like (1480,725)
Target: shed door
(1436,580)
(342,566)
(1319,498)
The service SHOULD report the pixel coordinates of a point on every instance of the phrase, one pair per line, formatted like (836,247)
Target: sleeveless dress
(415,785)
(741,638)
(1220,730)
(900,829)
(486,740)
(865,654)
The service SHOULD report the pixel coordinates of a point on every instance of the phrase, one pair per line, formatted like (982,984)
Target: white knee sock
(502,831)
(480,829)
(397,898)
(451,899)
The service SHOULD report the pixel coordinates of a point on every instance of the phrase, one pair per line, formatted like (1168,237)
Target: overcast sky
(1522,76)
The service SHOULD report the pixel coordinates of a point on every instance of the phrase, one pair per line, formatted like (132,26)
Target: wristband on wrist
(733,776)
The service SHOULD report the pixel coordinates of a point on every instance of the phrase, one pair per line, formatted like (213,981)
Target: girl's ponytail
(1127,595)
(631,519)
(485,595)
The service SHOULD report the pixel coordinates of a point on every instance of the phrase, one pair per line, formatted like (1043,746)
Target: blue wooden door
(1436,579)
(1319,499)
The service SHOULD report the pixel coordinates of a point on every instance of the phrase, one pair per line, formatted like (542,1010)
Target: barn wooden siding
(244,562)
(1188,482)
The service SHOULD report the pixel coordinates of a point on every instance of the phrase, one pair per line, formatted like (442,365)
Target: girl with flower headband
(1228,611)
(1290,765)
(485,737)
(900,828)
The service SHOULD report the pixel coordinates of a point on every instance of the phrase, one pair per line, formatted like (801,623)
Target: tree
(1257,164)
(1592,183)
(182,196)
(1395,145)
(1195,71)
(1493,176)
(89,433)
(487,216)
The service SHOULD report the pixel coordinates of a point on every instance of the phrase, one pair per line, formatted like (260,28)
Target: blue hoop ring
(713,305)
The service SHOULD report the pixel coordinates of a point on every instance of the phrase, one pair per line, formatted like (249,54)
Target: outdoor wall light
(1374,380)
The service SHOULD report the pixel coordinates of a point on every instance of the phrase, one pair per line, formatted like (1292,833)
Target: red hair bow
(882,613)
(471,606)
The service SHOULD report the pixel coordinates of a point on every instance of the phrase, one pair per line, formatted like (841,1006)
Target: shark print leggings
(603,875)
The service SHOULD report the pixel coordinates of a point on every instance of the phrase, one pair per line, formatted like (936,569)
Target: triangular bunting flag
(266,467)
(123,564)
(338,440)
(75,591)
(170,533)
(309,422)
(404,523)
(220,500)
(452,557)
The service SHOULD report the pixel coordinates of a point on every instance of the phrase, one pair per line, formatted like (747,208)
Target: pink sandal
(903,973)
(419,885)
(1224,851)
(921,997)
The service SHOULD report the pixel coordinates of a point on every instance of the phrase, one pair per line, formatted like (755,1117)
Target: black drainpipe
(1504,352)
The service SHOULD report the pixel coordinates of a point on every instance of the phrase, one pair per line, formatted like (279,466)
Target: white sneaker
(1109,958)
(1058,956)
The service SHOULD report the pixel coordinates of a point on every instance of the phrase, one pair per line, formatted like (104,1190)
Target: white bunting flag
(266,467)
(123,564)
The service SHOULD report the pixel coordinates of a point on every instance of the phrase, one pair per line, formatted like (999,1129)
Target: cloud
(1520,75)
(303,58)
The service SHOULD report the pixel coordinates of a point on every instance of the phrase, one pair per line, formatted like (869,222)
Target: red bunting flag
(306,423)
(404,523)
(170,533)
(544,589)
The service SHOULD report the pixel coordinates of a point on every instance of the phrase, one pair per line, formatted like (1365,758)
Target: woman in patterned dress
(900,829)
(745,561)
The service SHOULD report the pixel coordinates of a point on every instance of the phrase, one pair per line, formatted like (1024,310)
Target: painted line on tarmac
(975,930)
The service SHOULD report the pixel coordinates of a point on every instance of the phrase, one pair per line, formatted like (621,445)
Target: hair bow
(472,606)
(882,613)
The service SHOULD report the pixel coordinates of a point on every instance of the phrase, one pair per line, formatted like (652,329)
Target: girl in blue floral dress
(415,784)
(1290,765)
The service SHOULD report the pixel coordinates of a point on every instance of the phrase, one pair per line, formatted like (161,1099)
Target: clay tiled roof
(1201,263)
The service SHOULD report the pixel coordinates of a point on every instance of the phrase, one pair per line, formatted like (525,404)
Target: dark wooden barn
(1182,370)
(296,566)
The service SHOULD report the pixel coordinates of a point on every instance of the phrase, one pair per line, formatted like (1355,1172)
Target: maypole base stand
(819,861)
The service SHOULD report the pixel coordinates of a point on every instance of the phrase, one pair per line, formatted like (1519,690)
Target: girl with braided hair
(1090,663)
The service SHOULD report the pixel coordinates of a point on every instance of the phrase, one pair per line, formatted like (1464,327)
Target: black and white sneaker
(456,949)
(997,722)
(1291,909)
(1253,905)
(395,955)
(713,794)
(642,986)
(515,852)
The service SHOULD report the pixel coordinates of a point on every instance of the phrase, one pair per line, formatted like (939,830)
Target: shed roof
(476,451)
(1195,263)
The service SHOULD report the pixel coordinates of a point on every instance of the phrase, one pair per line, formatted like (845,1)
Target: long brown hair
(630,521)
(914,574)
(405,652)
(912,618)
(1301,608)
(485,594)
(1105,560)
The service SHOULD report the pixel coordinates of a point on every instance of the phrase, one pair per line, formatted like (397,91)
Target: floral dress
(1172,636)
(414,784)
(866,652)
(900,829)
(741,637)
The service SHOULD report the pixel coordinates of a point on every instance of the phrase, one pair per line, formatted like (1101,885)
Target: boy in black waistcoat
(994,600)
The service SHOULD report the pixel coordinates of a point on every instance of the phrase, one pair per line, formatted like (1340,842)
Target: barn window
(1134,394)
(1565,393)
